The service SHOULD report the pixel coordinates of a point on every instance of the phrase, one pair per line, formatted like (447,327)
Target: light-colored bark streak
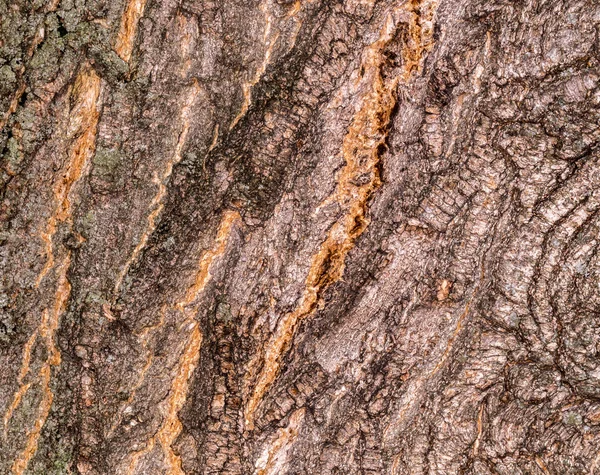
(137,456)
(18,396)
(270,39)
(479,429)
(47,331)
(187,41)
(361,151)
(129,23)
(82,129)
(203,274)
(459,323)
(294,9)
(457,329)
(215,139)
(540,463)
(144,337)
(171,425)
(157,202)
(293,14)
(212,146)
(273,459)
(23,388)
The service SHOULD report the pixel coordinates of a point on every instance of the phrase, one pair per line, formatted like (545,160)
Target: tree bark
(300,237)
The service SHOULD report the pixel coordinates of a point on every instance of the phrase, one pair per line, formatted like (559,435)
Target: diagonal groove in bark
(157,202)
(477,442)
(25,363)
(451,255)
(47,331)
(82,128)
(270,38)
(272,459)
(362,153)
(171,425)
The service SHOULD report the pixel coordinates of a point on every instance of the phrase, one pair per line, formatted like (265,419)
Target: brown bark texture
(299,237)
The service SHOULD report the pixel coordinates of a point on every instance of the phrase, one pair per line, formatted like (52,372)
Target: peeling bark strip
(362,150)
(82,130)
(129,23)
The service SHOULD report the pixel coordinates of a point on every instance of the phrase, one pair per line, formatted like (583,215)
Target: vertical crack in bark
(477,442)
(171,426)
(47,331)
(82,128)
(362,153)
(129,23)
(272,461)
(157,202)
(457,329)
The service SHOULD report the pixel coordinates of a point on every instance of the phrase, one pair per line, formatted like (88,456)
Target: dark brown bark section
(317,236)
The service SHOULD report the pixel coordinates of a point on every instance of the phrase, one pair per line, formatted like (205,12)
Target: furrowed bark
(284,237)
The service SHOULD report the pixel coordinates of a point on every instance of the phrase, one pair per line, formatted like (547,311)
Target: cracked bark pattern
(312,236)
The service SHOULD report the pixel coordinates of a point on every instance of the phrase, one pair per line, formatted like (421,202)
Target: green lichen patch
(107,170)
(8,79)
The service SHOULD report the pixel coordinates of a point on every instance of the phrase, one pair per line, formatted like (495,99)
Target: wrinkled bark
(289,237)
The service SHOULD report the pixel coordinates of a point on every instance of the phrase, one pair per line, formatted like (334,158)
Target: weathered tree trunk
(300,237)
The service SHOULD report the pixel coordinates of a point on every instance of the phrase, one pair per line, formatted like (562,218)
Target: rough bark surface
(300,237)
